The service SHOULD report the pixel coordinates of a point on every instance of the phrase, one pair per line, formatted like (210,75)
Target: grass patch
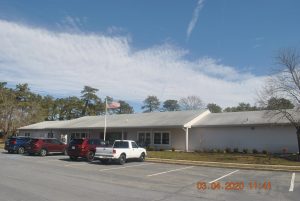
(227,157)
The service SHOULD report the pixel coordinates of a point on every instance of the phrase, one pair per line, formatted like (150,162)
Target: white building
(181,130)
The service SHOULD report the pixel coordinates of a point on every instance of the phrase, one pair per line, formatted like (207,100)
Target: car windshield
(121,144)
(23,139)
(34,140)
(76,141)
(11,138)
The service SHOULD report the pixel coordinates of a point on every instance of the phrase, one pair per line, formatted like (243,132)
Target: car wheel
(122,159)
(21,150)
(43,152)
(90,156)
(73,158)
(142,157)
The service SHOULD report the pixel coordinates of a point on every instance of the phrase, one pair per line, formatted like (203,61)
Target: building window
(161,138)
(125,136)
(27,134)
(165,138)
(78,135)
(50,135)
(144,138)
(157,138)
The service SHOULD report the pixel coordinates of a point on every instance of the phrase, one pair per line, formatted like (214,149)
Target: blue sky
(129,49)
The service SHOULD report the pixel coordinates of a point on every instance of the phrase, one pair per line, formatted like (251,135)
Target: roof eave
(242,125)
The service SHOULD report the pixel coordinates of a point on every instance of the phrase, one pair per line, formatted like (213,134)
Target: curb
(228,165)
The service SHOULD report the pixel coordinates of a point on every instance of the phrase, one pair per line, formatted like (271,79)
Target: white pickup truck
(120,151)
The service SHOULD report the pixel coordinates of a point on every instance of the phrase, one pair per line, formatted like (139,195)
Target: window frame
(52,135)
(145,136)
(78,135)
(161,137)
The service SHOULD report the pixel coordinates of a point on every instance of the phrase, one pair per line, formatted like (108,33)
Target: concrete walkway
(228,165)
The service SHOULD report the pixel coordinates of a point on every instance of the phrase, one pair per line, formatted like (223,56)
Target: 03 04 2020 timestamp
(234,185)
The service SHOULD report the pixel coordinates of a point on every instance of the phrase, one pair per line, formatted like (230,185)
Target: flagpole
(105,119)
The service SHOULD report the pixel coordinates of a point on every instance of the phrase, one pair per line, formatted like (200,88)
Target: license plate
(73,147)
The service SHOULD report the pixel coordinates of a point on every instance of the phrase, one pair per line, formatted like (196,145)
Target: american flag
(113,105)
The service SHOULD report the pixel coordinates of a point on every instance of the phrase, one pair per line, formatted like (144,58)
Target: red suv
(43,146)
(84,148)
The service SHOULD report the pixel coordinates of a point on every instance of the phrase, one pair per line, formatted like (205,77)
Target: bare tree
(191,103)
(284,83)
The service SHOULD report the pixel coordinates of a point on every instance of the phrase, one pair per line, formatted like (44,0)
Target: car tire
(90,156)
(122,159)
(43,152)
(142,157)
(21,150)
(73,158)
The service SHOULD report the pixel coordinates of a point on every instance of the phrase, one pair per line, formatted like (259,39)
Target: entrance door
(64,138)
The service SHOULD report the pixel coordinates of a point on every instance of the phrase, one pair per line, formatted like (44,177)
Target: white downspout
(189,125)
(187,139)
(186,130)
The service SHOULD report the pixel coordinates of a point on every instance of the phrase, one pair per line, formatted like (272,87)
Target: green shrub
(228,150)
(150,148)
(264,151)
(254,151)
(245,151)
(161,149)
(173,149)
(236,150)
(219,151)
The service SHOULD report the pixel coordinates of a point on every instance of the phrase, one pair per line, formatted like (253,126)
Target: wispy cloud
(61,63)
(71,24)
(194,19)
(258,41)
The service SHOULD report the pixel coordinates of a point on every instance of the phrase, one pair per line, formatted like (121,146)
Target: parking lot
(56,178)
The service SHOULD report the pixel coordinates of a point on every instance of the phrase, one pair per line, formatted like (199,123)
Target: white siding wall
(39,133)
(272,139)
(178,139)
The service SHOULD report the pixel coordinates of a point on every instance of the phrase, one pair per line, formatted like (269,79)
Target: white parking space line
(125,167)
(151,175)
(292,182)
(223,176)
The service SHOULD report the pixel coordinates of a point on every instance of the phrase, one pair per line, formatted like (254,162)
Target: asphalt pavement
(56,178)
